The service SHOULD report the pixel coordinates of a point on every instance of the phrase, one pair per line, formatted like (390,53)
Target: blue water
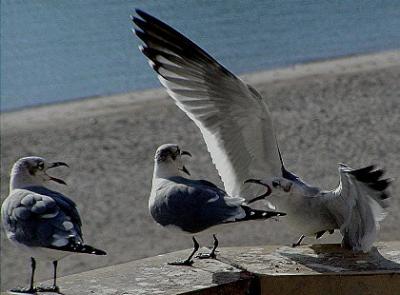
(66,49)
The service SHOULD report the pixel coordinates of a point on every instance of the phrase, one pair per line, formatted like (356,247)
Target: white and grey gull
(41,222)
(192,206)
(236,125)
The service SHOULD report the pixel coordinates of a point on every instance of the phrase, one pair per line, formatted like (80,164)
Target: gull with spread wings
(237,127)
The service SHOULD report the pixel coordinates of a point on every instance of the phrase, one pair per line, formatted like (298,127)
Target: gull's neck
(165,170)
(21,178)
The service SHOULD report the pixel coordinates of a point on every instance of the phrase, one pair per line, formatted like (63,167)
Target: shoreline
(106,104)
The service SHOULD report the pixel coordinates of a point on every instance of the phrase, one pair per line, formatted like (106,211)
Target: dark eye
(40,165)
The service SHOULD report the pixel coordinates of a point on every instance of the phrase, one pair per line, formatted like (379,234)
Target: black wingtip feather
(371,176)
(139,22)
(254,214)
(380,185)
(140,12)
(79,248)
(148,52)
(141,35)
(155,65)
(99,252)
(156,32)
(360,173)
(367,174)
(151,20)
(143,14)
(151,54)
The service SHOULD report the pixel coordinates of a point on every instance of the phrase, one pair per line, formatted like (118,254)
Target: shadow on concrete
(242,282)
(328,258)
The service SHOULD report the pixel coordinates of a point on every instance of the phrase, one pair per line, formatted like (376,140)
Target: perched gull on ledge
(237,127)
(191,206)
(39,221)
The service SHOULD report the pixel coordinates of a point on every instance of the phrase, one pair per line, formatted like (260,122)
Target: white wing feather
(233,118)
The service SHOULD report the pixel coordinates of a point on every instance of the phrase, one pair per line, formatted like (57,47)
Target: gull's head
(168,161)
(30,171)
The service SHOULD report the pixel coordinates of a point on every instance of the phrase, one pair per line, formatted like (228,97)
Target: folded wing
(39,220)
(194,205)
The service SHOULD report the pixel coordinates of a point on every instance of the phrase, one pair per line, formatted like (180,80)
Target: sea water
(54,51)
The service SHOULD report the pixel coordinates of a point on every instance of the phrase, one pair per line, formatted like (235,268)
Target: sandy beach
(344,110)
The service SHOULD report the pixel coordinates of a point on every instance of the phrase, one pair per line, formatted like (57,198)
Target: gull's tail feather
(364,191)
(254,214)
(372,178)
(79,248)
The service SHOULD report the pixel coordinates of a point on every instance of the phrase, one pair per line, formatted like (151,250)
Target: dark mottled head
(168,158)
(32,171)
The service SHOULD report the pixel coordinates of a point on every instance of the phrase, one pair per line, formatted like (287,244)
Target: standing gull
(191,206)
(237,127)
(40,221)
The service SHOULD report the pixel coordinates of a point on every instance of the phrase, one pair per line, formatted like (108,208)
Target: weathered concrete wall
(321,269)
(315,269)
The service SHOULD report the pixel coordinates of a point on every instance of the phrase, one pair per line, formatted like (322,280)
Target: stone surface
(154,276)
(313,259)
(320,269)
(315,269)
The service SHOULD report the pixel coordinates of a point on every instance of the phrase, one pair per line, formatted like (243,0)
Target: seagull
(237,128)
(192,206)
(40,221)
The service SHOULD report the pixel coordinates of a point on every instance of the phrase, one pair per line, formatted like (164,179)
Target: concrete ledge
(320,269)
(315,269)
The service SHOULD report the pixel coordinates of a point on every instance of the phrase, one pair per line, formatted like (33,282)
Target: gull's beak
(185,170)
(60,181)
(186,153)
(263,196)
(57,164)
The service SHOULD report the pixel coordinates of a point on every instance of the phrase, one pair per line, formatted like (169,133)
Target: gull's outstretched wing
(233,118)
(359,205)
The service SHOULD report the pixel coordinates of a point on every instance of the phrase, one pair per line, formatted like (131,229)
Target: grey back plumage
(192,205)
(39,217)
